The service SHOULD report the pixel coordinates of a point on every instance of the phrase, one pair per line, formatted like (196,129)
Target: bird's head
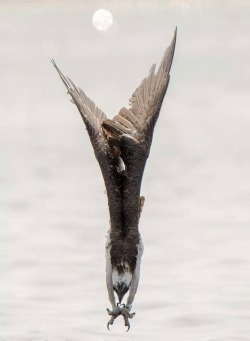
(123,272)
(121,277)
(123,254)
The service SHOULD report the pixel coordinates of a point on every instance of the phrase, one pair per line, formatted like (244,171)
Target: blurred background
(195,277)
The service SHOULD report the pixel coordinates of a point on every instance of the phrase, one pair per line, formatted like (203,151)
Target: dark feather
(122,146)
(134,132)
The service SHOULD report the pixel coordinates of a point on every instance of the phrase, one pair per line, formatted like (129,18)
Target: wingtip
(67,82)
(175,34)
(174,41)
(169,54)
(52,61)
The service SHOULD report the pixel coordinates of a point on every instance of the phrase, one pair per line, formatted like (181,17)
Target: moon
(102,19)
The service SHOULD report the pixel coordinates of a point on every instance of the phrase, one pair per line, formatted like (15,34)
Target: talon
(115,312)
(127,324)
(120,309)
(111,321)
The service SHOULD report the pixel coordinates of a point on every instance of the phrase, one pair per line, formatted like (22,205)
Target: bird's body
(121,147)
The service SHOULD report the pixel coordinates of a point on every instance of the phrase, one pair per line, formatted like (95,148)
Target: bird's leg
(135,278)
(111,321)
(126,315)
(114,314)
(109,281)
(120,309)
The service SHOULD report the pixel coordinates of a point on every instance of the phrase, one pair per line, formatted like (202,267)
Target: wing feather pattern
(134,128)
(146,101)
(122,144)
(93,118)
(91,114)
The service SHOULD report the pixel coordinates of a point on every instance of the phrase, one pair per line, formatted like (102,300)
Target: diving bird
(121,147)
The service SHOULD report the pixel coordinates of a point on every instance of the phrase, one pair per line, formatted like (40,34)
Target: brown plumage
(121,147)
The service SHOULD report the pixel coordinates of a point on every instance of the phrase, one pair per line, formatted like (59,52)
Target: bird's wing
(145,104)
(147,99)
(134,128)
(91,114)
(93,118)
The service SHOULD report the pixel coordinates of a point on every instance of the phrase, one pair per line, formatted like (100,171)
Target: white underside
(113,278)
(126,277)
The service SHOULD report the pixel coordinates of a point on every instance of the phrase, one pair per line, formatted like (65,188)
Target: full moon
(102,19)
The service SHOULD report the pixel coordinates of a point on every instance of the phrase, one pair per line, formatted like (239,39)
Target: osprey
(121,147)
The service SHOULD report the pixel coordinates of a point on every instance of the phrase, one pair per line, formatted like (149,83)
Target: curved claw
(113,313)
(108,325)
(120,309)
(127,324)
(111,321)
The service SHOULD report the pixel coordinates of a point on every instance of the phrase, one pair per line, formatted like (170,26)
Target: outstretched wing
(134,128)
(123,150)
(91,114)
(139,120)
(93,118)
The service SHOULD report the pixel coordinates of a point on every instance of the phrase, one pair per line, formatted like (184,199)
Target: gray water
(195,277)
